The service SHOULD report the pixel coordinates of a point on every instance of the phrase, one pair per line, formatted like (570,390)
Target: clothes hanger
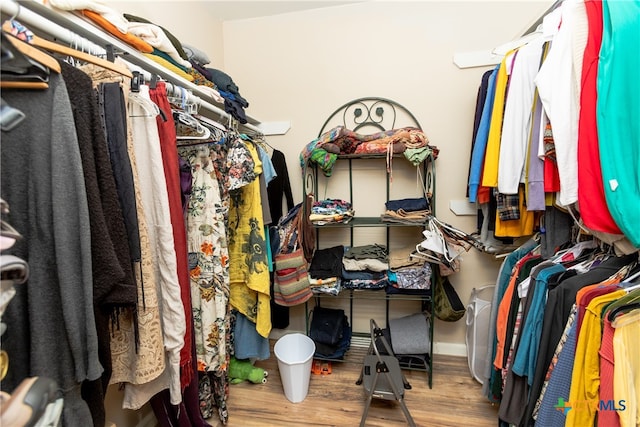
(32,67)
(418,253)
(10,117)
(260,140)
(576,250)
(186,122)
(67,51)
(181,98)
(82,56)
(7,84)
(622,309)
(33,53)
(211,122)
(632,296)
(150,108)
(633,276)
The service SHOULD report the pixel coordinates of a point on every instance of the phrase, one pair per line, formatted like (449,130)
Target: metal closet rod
(73,30)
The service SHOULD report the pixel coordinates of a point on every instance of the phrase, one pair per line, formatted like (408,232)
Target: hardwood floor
(335,399)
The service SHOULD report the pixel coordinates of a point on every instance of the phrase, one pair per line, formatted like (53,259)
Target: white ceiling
(241,9)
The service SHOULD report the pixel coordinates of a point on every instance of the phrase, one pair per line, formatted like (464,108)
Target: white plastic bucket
(295,356)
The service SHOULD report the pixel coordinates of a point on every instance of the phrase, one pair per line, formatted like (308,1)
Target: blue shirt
(482,135)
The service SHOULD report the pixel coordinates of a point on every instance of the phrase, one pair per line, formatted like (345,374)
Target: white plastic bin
(295,356)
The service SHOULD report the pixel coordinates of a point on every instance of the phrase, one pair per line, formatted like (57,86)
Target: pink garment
(607,418)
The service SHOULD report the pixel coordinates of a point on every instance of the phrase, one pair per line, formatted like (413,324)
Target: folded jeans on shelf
(408,204)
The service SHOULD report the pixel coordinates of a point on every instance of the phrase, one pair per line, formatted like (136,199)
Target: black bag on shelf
(335,352)
(327,325)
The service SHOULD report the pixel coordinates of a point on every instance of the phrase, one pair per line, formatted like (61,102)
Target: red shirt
(591,199)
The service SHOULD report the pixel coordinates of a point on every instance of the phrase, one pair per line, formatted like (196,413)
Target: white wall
(192,22)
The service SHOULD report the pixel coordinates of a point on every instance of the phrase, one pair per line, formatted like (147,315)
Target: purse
(446,302)
(291,284)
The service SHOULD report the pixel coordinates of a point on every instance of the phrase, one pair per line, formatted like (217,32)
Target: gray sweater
(50,322)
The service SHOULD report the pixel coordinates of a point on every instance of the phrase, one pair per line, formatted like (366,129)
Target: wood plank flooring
(335,400)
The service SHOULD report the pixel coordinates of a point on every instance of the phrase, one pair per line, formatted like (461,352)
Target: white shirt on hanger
(517,117)
(560,94)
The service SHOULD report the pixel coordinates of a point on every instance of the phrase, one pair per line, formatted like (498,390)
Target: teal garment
(618,113)
(524,362)
(166,57)
(269,252)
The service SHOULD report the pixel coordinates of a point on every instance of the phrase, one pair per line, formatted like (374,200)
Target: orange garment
(584,290)
(128,38)
(613,280)
(484,195)
(503,312)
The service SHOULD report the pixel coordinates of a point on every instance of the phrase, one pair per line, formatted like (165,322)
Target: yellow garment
(169,66)
(516,227)
(492,152)
(585,379)
(248,268)
(549,199)
(626,369)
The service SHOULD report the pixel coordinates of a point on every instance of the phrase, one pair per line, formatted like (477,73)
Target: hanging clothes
(517,117)
(593,205)
(585,380)
(171,166)
(279,191)
(558,87)
(542,352)
(114,288)
(249,272)
(209,271)
(618,129)
(52,313)
(136,347)
(480,140)
(490,169)
(208,259)
(152,183)
(627,367)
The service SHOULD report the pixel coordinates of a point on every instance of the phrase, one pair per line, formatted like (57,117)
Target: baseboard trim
(450,349)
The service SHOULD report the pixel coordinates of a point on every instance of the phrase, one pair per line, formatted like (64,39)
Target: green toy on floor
(243,370)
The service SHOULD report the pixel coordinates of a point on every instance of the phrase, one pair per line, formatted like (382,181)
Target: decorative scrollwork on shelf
(370,114)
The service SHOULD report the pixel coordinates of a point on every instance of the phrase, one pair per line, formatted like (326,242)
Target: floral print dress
(209,271)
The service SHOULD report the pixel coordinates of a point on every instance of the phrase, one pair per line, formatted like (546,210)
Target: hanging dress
(249,271)
(209,270)
(152,183)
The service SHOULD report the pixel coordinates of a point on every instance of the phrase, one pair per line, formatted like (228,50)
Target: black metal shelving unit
(380,114)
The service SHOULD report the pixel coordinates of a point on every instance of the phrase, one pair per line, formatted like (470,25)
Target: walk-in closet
(336,213)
